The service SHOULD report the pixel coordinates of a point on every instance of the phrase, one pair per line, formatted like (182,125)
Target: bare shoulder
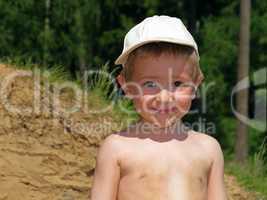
(110,146)
(112,138)
(206,139)
(111,142)
(209,143)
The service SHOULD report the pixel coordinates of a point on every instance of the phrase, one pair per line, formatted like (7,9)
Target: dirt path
(41,158)
(235,192)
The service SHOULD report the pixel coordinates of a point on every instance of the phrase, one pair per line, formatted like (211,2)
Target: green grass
(102,85)
(55,73)
(252,174)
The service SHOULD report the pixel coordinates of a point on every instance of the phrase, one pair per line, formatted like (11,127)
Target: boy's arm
(216,188)
(107,172)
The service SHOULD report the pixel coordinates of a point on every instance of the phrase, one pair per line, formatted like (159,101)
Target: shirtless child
(159,158)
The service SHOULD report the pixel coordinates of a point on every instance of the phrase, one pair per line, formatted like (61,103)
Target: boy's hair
(158,48)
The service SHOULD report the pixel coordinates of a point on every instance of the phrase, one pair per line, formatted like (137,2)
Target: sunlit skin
(162,161)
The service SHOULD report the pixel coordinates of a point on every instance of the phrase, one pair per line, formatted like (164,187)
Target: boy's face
(161,87)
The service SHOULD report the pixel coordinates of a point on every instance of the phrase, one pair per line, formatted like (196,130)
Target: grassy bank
(253,174)
(100,89)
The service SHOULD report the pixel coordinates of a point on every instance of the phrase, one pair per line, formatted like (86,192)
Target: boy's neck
(151,130)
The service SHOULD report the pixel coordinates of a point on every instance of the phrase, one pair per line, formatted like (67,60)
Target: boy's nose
(165,96)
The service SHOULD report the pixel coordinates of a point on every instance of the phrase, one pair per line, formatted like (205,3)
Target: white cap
(156,29)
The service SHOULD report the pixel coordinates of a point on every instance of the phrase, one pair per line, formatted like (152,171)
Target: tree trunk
(241,143)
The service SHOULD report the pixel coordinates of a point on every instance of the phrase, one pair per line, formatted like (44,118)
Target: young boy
(159,158)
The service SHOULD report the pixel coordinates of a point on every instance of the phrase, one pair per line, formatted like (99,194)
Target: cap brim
(123,57)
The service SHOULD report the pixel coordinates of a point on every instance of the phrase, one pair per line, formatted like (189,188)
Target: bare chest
(163,168)
(148,157)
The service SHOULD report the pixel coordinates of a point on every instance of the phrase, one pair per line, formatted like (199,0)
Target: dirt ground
(42,156)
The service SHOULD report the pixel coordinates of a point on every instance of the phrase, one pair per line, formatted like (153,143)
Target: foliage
(102,82)
(259,162)
(252,174)
(254,137)
(219,48)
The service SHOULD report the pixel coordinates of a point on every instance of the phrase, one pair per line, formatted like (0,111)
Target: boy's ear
(200,77)
(197,84)
(122,81)
(199,80)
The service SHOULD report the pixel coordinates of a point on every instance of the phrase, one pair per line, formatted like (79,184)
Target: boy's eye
(150,84)
(178,83)
(182,84)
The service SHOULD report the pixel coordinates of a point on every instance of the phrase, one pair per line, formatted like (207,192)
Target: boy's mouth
(164,110)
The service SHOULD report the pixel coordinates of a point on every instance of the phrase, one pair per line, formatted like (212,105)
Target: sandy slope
(41,158)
